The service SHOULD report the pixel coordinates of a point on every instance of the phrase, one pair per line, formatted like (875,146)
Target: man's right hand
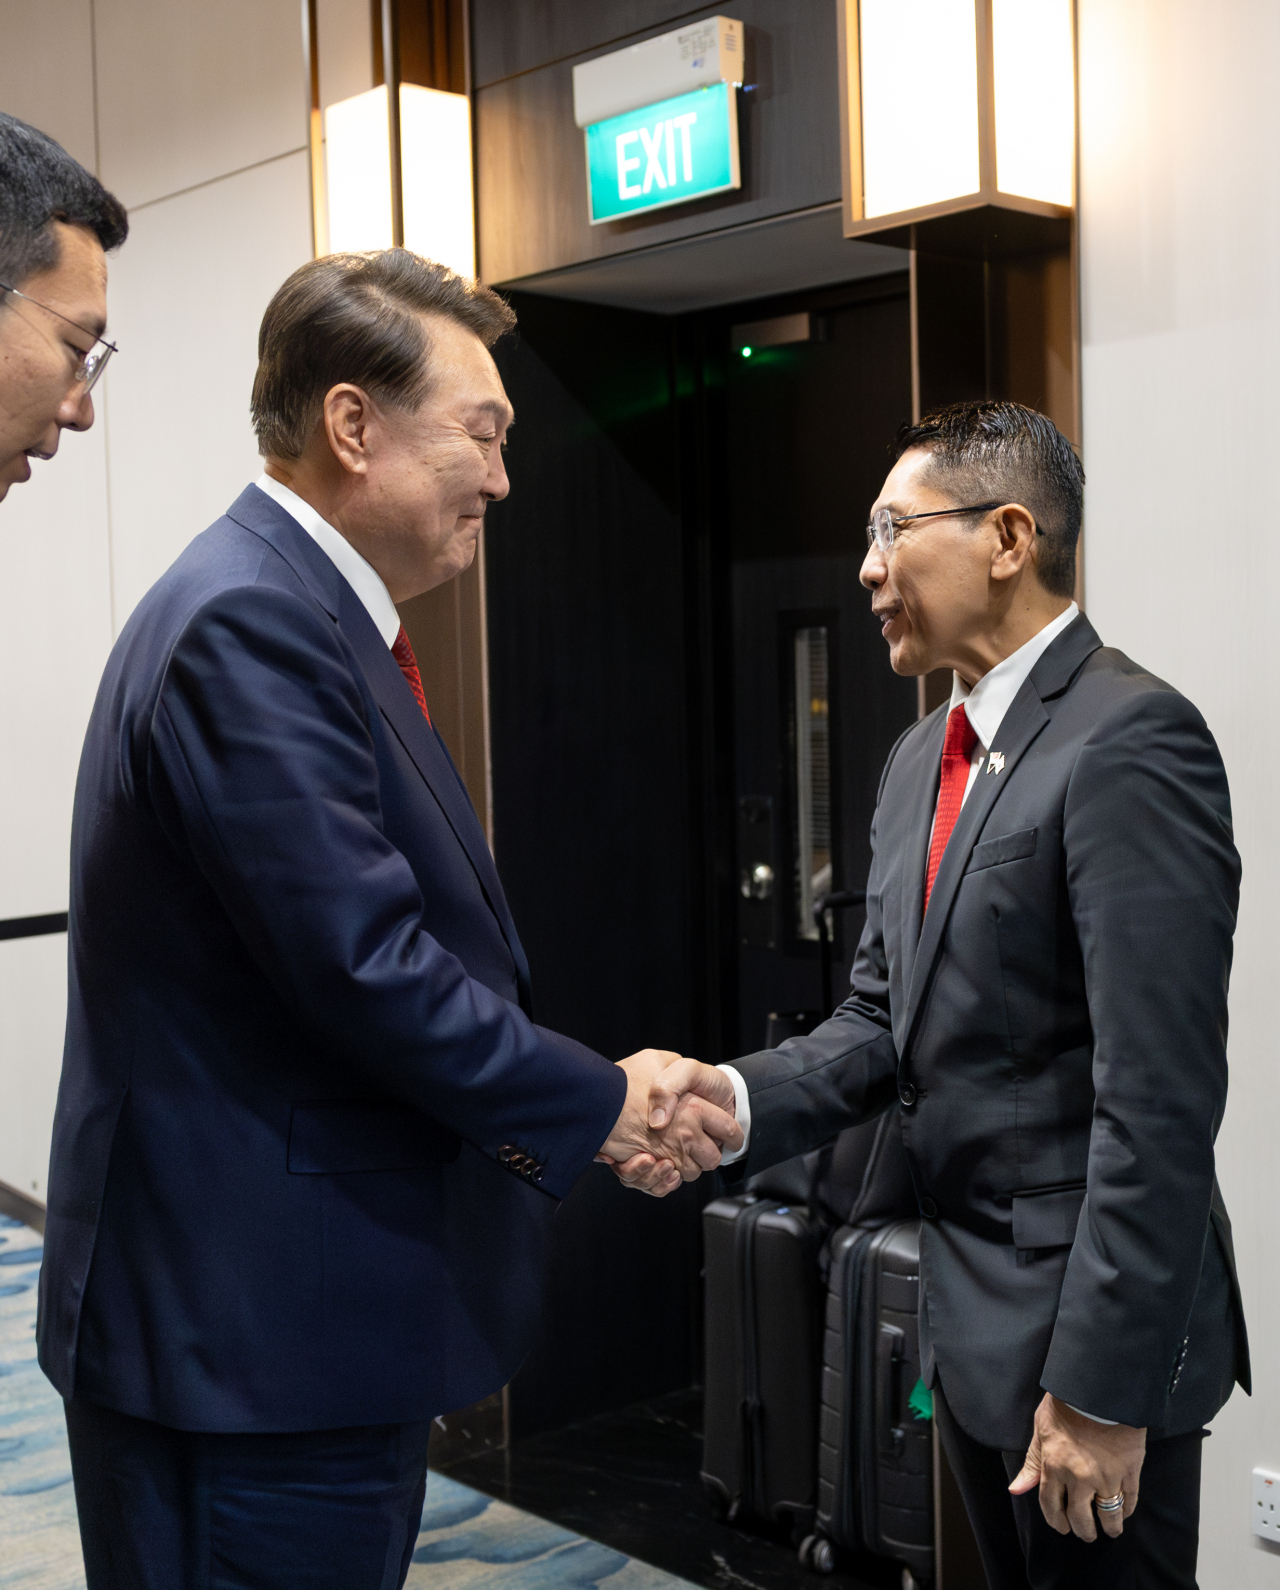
(653,1145)
(685,1081)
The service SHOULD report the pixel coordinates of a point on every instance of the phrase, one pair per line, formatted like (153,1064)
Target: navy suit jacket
(306,1129)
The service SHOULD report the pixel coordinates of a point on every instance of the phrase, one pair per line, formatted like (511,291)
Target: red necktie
(402,651)
(956,750)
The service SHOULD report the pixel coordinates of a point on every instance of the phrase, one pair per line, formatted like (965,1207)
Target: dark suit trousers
(1157,1550)
(164,1509)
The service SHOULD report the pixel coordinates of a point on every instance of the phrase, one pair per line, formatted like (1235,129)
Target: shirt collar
(992,696)
(360,575)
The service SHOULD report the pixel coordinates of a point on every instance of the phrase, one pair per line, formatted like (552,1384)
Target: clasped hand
(677,1120)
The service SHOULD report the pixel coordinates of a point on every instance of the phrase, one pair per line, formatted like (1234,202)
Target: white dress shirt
(361,576)
(986,704)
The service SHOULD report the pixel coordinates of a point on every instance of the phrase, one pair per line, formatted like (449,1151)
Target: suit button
(928,1208)
(907,1094)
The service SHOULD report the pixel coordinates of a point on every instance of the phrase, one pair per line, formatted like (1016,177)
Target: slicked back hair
(996,451)
(39,184)
(358,318)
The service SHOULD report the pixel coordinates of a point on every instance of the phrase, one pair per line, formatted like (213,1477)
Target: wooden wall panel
(530,166)
(447,630)
(512,36)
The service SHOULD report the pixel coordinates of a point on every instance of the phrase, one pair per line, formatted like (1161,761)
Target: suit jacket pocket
(1009,847)
(330,1137)
(1047,1217)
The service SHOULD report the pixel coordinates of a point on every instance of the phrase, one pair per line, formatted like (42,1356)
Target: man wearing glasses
(57,223)
(1041,987)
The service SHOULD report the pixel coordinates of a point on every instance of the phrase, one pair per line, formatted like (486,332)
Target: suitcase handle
(834,900)
(890,1353)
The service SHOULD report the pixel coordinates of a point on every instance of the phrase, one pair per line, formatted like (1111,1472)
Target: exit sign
(679,149)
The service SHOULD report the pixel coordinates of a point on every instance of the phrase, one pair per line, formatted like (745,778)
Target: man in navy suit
(308,1138)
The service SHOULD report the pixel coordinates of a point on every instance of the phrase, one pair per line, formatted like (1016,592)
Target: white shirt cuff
(1072,1405)
(742,1110)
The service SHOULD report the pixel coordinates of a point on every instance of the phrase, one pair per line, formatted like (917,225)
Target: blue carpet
(467,1541)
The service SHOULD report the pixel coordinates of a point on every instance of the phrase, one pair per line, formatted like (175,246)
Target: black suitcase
(875,1448)
(763,1325)
(763,1321)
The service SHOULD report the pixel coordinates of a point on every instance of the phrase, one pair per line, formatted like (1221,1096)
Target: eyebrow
(95,325)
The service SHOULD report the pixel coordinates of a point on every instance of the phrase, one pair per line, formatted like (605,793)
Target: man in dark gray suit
(1042,987)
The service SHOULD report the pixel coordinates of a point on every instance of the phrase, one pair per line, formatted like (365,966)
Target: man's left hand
(1074,1459)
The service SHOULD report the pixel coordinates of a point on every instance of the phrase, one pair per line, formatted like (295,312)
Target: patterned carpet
(467,1541)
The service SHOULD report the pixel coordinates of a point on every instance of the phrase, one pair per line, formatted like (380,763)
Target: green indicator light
(746,353)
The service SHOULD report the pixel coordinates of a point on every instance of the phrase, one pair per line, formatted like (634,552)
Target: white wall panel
(189,91)
(186,301)
(187,95)
(33,1009)
(1180,145)
(55,573)
(46,70)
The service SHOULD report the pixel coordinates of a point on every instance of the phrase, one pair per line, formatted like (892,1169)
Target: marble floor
(469,1539)
(630,1479)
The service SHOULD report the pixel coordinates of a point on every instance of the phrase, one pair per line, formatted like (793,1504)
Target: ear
(349,420)
(1015,548)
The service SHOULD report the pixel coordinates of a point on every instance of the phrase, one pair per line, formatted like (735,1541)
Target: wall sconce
(435,175)
(958,114)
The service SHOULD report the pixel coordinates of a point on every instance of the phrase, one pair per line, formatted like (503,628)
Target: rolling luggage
(875,1452)
(762,1335)
(763,1323)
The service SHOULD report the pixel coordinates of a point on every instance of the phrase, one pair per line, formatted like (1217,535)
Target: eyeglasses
(90,365)
(883,524)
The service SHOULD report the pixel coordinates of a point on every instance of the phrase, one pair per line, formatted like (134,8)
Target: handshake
(678,1118)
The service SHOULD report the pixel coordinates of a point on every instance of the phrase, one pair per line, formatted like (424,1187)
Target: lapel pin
(995,762)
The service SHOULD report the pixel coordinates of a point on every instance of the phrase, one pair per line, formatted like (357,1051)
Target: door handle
(757,884)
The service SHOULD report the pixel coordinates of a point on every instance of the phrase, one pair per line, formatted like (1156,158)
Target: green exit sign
(668,153)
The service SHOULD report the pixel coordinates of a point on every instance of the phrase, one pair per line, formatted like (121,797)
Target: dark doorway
(686,684)
(808,423)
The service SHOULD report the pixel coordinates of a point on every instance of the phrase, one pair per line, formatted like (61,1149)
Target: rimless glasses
(91,362)
(883,523)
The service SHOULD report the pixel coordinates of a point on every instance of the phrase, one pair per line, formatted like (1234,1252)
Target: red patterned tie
(956,750)
(402,651)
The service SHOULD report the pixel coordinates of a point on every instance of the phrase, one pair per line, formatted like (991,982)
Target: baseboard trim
(19,1206)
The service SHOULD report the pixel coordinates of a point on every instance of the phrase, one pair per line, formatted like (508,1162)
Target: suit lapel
(1022,723)
(1052,674)
(264,517)
(427,752)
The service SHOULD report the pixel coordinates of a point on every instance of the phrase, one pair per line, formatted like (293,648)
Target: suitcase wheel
(817,1554)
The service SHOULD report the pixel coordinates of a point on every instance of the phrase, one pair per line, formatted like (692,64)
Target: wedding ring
(1109,1504)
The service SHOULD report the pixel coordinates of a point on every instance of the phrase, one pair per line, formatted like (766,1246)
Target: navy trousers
(1156,1551)
(164,1509)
